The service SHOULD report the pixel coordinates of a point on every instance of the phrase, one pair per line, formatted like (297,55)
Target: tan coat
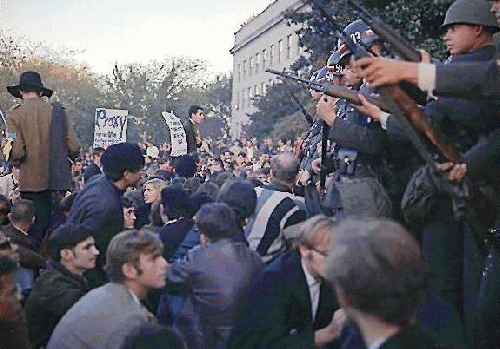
(30,124)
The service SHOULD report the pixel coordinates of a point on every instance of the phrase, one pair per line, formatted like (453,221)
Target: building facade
(264,41)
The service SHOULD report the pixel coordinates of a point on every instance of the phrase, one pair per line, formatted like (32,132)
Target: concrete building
(264,41)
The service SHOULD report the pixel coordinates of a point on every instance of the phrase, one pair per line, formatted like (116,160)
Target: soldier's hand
(303,177)
(368,108)
(384,71)
(455,172)
(326,109)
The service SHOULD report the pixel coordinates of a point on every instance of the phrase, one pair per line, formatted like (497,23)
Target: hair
(7,266)
(119,158)
(377,264)
(22,211)
(127,202)
(285,167)
(8,205)
(97,151)
(216,221)
(209,188)
(240,195)
(314,230)
(152,336)
(157,183)
(155,215)
(192,184)
(126,247)
(67,236)
(193,109)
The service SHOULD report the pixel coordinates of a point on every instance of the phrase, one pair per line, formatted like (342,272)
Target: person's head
(313,242)
(122,163)
(134,258)
(10,306)
(376,268)
(217,165)
(128,213)
(196,114)
(5,206)
(153,336)
(74,247)
(284,168)
(241,197)
(30,84)
(495,9)
(152,189)
(176,203)
(96,155)
(185,166)
(215,221)
(22,213)
(469,25)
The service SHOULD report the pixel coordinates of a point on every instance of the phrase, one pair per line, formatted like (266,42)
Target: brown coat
(31,124)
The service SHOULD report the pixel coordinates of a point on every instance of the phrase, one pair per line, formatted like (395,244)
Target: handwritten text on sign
(110,127)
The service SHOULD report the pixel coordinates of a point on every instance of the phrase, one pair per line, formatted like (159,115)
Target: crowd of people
(343,238)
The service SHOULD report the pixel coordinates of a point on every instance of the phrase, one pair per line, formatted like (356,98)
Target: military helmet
(361,33)
(334,65)
(476,12)
(319,74)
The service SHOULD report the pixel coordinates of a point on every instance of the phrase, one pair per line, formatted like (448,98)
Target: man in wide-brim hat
(42,138)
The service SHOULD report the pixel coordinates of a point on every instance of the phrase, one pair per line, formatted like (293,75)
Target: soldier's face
(496,10)
(460,38)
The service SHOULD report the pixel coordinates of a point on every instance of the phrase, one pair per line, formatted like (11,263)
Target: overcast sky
(133,30)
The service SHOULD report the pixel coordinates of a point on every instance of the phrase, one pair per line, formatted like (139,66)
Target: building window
(289,46)
(244,69)
(264,52)
(271,55)
(257,62)
(264,88)
(239,72)
(250,96)
(243,99)
(280,51)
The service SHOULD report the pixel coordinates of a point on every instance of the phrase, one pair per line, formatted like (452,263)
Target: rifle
(308,116)
(332,90)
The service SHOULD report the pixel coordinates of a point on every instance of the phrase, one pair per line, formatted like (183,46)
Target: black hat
(29,81)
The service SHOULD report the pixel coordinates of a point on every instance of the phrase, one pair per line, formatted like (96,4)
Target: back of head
(240,196)
(67,236)
(377,264)
(153,336)
(285,167)
(22,211)
(474,12)
(216,221)
(185,166)
(119,158)
(176,202)
(126,247)
(7,266)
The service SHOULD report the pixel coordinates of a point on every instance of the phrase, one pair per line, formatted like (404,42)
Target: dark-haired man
(196,114)
(98,206)
(73,251)
(216,274)
(104,317)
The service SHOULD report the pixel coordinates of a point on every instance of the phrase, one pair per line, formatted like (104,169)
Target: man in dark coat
(98,206)
(289,305)
(54,293)
(191,128)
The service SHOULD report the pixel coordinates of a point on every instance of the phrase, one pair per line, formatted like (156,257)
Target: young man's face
(460,38)
(153,269)
(10,307)
(128,218)
(198,116)
(151,194)
(315,257)
(84,255)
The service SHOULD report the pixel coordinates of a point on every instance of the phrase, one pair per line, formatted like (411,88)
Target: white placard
(177,134)
(110,127)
